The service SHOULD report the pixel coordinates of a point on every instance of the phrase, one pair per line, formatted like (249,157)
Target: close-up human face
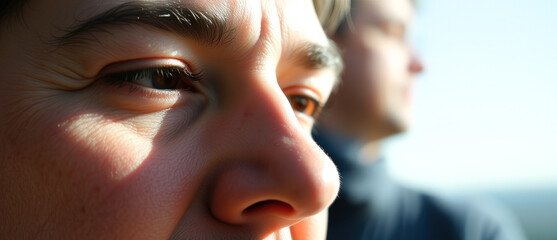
(164,119)
(379,67)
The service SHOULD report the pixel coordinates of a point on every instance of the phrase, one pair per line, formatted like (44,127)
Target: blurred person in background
(373,102)
(164,119)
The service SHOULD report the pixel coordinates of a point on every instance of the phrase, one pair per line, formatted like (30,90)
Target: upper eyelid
(139,64)
(310,93)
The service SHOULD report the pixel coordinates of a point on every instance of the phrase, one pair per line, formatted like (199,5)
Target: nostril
(270,206)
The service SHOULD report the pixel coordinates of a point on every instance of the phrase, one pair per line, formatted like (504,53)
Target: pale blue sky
(485,110)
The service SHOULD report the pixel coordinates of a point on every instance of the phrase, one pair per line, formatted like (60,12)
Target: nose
(274,175)
(416,64)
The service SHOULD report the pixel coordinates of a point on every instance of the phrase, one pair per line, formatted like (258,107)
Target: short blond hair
(331,13)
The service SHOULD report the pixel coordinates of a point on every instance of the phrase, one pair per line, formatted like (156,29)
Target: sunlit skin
(374,98)
(96,144)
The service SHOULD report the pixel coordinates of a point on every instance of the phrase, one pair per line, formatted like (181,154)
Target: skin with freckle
(164,119)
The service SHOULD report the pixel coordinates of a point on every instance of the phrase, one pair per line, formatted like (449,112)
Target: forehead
(249,20)
(386,10)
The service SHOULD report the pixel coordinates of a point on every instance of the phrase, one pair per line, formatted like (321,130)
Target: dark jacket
(372,206)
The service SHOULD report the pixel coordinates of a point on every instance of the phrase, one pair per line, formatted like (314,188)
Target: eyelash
(130,78)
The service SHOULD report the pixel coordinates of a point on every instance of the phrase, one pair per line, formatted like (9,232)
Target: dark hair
(10,9)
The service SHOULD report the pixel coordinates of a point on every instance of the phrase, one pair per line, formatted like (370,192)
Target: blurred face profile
(164,119)
(379,68)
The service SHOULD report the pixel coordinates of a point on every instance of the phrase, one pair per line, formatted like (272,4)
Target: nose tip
(416,64)
(288,180)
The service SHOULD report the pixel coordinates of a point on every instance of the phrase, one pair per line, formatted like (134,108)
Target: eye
(162,78)
(395,30)
(304,104)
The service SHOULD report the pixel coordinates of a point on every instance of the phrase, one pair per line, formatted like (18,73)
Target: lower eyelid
(137,90)
(136,98)
(305,120)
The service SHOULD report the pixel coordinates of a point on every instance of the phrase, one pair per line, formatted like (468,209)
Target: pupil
(165,80)
(299,103)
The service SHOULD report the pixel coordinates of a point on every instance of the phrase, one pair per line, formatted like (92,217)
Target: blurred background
(485,109)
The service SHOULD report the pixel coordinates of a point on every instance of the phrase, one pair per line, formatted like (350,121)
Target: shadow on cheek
(109,147)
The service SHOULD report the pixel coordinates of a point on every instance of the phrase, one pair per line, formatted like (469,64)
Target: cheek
(372,77)
(128,155)
(363,74)
(147,180)
(90,155)
(79,161)
(386,69)
(107,147)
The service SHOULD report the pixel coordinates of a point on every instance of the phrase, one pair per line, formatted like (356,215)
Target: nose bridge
(262,115)
(275,130)
(266,109)
(278,175)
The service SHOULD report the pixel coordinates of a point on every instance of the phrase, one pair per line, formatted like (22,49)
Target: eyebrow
(202,26)
(316,56)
